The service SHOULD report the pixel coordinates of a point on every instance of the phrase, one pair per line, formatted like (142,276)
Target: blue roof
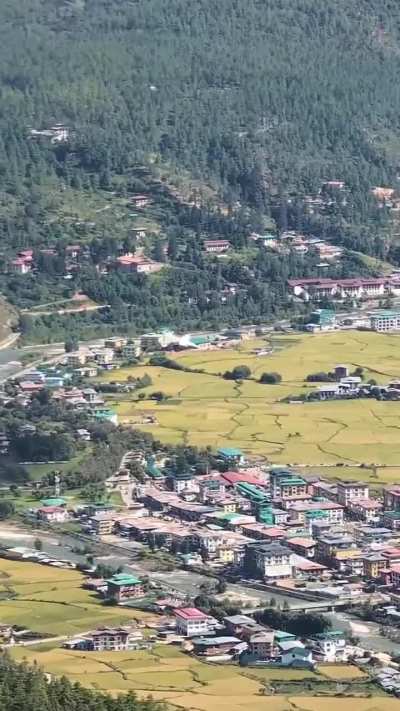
(230,452)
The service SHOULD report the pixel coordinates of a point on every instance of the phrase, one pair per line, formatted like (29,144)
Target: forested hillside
(300,88)
(257,102)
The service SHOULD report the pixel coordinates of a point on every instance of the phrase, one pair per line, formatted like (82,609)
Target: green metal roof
(53,502)
(123,579)
(230,452)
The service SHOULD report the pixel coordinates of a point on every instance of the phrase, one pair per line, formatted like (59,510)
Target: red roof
(391,552)
(236,477)
(190,613)
(304,542)
(51,509)
(29,386)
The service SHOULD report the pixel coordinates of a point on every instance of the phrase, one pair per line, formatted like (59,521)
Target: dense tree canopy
(261,102)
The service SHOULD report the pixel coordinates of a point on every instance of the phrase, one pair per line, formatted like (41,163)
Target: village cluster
(330,544)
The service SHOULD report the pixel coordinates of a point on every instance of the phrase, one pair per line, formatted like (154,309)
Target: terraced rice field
(207,410)
(167,674)
(52,601)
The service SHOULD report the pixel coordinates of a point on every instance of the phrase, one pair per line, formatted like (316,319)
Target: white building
(351,491)
(329,646)
(191,622)
(274,561)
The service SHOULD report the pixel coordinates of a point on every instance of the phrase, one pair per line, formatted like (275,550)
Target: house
(76,359)
(191,622)
(395,571)
(385,321)
(210,487)
(341,371)
(374,564)
(104,356)
(391,498)
(218,646)
(270,561)
(285,484)
(295,654)
(365,509)
(231,455)
(123,586)
(52,514)
(20,266)
(131,349)
(261,645)
(391,519)
(329,646)
(140,200)
(106,415)
(303,546)
(216,246)
(116,639)
(302,512)
(102,523)
(180,482)
(239,625)
(382,194)
(137,264)
(351,491)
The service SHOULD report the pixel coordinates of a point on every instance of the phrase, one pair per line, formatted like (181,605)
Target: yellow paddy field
(52,601)
(167,674)
(207,410)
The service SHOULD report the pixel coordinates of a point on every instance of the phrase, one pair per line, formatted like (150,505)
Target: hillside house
(216,246)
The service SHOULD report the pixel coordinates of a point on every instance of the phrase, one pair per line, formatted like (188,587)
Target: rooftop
(123,579)
(190,613)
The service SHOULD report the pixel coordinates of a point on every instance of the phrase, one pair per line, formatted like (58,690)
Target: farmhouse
(122,587)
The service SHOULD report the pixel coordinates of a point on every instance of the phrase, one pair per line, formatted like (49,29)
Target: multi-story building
(268,561)
(180,482)
(261,645)
(391,498)
(115,639)
(131,349)
(123,586)
(191,622)
(211,486)
(374,563)
(391,519)
(351,491)
(302,512)
(52,514)
(385,320)
(302,546)
(395,575)
(365,509)
(102,524)
(286,484)
(328,546)
(329,646)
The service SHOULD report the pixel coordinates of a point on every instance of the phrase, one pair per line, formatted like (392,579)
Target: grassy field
(167,674)
(207,410)
(52,601)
